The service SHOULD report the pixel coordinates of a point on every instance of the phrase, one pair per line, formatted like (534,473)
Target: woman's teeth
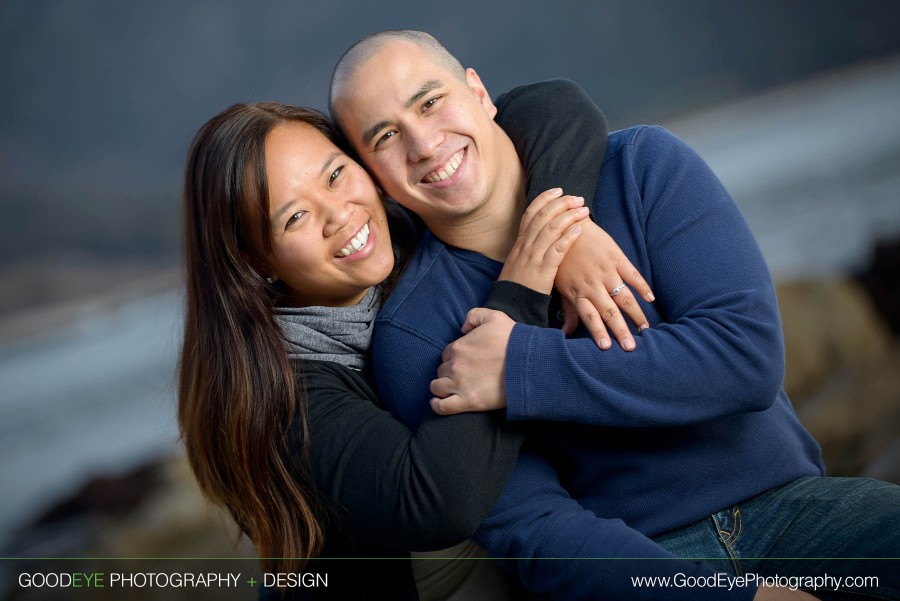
(447,170)
(357,243)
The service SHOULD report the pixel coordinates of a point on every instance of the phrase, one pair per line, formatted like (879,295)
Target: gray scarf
(338,334)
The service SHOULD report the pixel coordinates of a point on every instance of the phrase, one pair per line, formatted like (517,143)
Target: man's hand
(771,593)
(592,281)
(471,377)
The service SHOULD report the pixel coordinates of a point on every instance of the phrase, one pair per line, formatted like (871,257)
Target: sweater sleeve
(559,134)
(559,547)
(407,489)
(715,351)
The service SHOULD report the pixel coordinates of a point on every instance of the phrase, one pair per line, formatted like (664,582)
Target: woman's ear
(259,268)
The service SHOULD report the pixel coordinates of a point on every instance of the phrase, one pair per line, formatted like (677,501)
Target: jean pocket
(729,525)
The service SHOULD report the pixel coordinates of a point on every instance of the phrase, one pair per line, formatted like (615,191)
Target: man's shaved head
(366,48)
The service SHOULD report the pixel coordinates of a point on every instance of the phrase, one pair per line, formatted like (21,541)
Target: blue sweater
(633,444)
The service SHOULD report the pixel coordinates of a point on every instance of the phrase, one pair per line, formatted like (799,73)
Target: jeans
(814,526)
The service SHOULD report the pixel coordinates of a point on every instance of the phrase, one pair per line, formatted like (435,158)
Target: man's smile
(447,170)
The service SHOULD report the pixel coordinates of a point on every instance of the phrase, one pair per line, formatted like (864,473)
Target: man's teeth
(358,242)
(447,170)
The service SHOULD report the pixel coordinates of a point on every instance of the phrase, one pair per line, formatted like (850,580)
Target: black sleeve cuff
(521,303)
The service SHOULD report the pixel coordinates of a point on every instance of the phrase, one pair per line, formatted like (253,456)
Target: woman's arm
(561,138)
(413,490)
(559,134)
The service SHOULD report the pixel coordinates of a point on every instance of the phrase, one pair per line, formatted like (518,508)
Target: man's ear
(480,92)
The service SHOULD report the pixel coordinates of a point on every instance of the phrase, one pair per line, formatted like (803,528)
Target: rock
(855,416)
(829,325)
(104,494)
(843,374)
(166,526)
(881,278)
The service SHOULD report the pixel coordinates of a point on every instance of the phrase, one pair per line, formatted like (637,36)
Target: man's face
(427,135)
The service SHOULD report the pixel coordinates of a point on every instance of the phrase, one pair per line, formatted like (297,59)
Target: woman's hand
(547,231)
(471,377)
(592,280)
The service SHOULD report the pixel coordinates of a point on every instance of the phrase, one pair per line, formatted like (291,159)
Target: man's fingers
(476,317)
(442,386)
(448,406)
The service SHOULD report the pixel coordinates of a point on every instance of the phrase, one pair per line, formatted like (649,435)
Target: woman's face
(329,229)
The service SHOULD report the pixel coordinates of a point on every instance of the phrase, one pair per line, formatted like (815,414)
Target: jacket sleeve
(557,546)
(421,489)
(559,134)
(715,347)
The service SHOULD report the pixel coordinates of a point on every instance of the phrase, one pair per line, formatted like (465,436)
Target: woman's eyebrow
(329,161)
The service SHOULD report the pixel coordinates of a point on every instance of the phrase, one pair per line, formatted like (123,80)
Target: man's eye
(430,103)
(294,218)
(385,137)
(335,174)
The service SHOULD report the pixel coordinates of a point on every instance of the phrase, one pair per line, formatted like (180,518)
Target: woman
(287,238)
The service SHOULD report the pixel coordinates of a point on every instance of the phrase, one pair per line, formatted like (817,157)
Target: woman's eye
(294,218)
(335,174)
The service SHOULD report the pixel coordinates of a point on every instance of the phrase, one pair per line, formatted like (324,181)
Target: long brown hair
(238,393)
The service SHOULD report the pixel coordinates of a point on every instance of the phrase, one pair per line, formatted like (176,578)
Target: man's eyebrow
(427,87)
(368,134)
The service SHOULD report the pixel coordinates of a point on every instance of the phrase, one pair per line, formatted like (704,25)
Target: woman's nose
(339,213)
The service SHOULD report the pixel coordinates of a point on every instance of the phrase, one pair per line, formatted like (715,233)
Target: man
(688,439)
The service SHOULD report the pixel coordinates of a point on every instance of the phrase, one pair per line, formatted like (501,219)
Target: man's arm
(714,350)
(557,546)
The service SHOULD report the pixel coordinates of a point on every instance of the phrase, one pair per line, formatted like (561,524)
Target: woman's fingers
(546,233)
(634,279)
(541,216)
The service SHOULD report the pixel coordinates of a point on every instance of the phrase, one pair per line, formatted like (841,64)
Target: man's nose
(423,141)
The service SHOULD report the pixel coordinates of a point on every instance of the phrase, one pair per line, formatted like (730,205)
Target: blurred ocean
(93,398)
